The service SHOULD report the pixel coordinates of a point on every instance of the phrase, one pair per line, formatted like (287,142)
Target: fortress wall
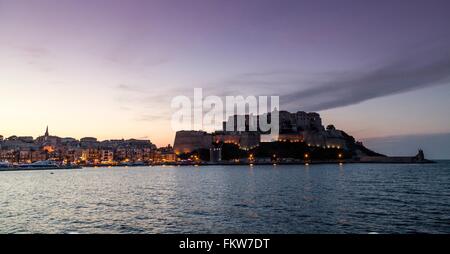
(188,141)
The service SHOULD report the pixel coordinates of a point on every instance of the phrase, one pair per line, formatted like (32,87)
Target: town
(302,139)
(87,151)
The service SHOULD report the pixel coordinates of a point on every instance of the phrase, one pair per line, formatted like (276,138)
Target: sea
(260,199)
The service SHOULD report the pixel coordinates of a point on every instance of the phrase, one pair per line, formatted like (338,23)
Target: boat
(43,165)
(133,164)
(40,164)
(5,165)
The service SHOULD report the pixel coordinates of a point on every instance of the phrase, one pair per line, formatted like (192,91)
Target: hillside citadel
(293,127)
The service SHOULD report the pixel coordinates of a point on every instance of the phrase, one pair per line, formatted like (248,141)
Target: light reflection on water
(350,198)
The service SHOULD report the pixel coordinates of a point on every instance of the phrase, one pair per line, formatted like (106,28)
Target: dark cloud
(419,66)
(141,100)
(152,117)
(35,52)
(420,70)
(37,57)
(127,88)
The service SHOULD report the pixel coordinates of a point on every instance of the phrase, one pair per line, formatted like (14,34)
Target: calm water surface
(353,198)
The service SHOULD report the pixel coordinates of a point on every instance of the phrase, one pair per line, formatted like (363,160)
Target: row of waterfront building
(86,151)
(293,127)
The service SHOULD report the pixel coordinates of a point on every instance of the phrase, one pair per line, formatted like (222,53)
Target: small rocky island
(302,139)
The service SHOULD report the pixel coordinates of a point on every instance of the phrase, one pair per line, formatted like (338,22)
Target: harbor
(302,139)
(39,165)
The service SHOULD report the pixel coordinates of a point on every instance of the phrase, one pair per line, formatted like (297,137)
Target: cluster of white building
(87,150)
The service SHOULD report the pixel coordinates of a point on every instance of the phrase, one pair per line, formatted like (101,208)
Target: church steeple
(46,132)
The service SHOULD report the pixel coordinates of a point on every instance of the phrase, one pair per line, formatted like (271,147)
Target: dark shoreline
(215,164)
(288,163)
(39,169)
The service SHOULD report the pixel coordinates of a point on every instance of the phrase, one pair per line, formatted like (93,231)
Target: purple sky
(109,68)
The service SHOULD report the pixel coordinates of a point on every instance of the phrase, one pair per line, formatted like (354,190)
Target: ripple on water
(353,198)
